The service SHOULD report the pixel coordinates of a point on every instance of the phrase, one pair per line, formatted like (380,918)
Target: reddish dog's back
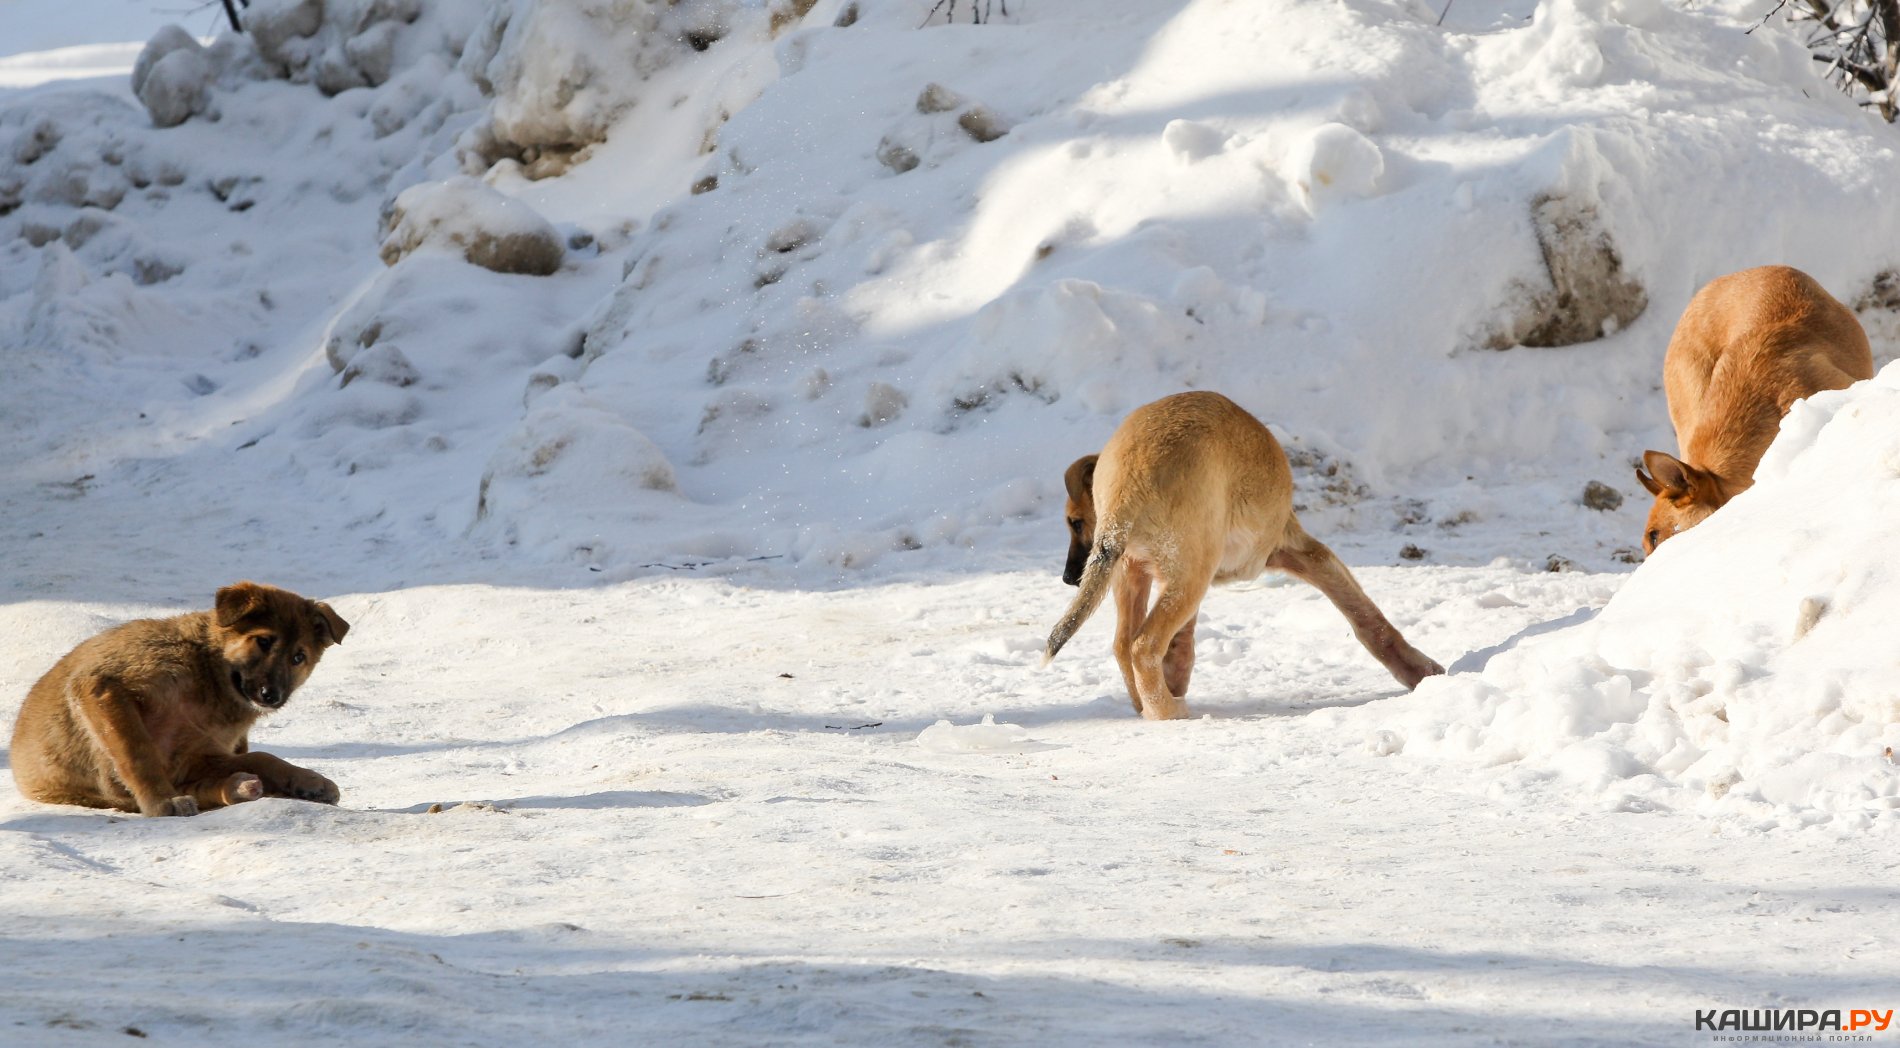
(1749,345)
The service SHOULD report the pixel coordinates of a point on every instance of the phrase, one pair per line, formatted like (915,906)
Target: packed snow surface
(698,568)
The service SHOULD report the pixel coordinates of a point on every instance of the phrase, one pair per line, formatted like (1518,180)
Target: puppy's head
(1079,513)
(1685,496)
(271,639)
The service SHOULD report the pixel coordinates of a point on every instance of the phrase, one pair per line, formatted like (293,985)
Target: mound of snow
(987,737)
(488,228)
(574,452)
(1748,667)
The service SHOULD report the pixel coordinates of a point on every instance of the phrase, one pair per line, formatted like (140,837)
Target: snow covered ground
(667,570)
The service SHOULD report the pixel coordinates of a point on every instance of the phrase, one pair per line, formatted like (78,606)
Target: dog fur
(1749,345)
(1193,491)
(154,716)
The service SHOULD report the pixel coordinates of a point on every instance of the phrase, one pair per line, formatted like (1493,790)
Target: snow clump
(987,737)
(172,77)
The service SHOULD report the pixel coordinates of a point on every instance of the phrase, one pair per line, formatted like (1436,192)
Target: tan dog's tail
(1088,597)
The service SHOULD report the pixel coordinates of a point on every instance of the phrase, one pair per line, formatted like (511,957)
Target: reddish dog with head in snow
(155,716)
(1749,345)
(1190,492)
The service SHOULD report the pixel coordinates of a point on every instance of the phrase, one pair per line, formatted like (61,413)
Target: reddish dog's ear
(238,600)
(1648,482)
(1079,479)
(1669,477)
(330,625)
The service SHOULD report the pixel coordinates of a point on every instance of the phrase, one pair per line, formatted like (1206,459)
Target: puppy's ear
(1079,479)
(1672,478)
(330,625)
(238,600)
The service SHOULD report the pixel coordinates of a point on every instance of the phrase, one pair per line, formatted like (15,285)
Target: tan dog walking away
(1749,345)
(154,716)
(1192,491)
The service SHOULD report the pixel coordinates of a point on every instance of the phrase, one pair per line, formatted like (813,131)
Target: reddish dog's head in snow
(1191,491)
(1685,496)
(155,716)
(1748,346)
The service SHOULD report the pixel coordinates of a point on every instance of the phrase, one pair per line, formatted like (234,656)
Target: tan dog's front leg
(111,716)
(1307,559)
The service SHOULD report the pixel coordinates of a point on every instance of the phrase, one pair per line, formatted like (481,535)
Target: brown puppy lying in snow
(154,716)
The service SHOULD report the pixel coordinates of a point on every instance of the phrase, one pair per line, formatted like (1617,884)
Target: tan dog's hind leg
(1175,611)
(1307,559)
(113,720)
(1178,664)
(1131,610)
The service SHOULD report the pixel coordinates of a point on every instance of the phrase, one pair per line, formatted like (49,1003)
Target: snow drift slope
(1748,668)
(861,285)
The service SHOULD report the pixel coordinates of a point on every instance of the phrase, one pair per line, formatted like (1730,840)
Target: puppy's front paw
(175,806)
(309,786)
(242,786)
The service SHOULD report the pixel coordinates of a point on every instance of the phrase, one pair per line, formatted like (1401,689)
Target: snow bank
(1747,668)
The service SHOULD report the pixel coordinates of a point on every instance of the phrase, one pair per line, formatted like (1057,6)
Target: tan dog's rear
(1749,345)
(155,716)
(1193,491)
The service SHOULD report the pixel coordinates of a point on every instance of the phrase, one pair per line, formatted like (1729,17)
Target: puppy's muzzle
(266,695)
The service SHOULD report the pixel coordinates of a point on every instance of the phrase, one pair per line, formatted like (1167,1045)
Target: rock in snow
(490,229)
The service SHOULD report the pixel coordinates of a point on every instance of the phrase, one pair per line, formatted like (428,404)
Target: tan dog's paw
(175,806)
(242,786)
(307,785)
(1172,711)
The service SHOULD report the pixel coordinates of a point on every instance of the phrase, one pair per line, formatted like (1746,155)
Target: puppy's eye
(1654,536)
(297,658)
(264,643)
(1075,525)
